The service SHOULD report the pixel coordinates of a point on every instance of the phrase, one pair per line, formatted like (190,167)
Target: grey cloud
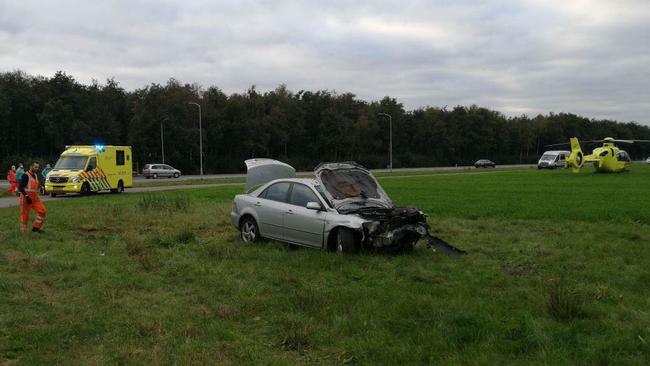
(533,56)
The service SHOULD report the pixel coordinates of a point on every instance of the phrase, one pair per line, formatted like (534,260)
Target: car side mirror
(313,206)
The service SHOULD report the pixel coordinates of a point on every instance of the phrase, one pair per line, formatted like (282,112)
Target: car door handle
(289,212)
(258,204)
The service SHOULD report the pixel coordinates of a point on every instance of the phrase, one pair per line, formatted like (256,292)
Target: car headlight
(371,226)
(75,180)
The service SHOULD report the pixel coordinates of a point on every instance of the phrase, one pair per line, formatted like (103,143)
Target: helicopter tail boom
(576,159)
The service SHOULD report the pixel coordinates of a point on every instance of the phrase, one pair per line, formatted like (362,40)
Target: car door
(302,225)
(270,207)
(169,171)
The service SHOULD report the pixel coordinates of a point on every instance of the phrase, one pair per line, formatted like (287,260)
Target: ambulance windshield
(71,162)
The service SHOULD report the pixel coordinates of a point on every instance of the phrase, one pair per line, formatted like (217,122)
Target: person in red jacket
(29,199)
(11,178)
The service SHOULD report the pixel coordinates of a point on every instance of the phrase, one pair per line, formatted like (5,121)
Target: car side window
(301,194)
(277,192)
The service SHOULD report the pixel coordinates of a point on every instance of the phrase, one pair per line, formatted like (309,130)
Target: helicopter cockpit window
(623,156)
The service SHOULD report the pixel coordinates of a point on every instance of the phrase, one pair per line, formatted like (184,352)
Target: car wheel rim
(248,232)
(339,245)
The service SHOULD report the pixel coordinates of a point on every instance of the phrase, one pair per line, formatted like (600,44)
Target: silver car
(343,209)
(160,170)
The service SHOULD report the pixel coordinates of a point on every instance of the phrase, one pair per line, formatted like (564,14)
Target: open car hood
(260,171)
(350,187)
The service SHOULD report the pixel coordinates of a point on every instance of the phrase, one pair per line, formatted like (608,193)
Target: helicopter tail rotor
(576,159)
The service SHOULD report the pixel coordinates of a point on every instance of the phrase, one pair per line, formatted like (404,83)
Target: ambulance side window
(119,157)
(92,164)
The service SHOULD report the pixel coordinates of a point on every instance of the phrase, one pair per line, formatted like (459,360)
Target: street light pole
(162,139)
(390,143)
(200,138)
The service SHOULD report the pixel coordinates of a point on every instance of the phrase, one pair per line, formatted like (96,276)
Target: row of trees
(39,116)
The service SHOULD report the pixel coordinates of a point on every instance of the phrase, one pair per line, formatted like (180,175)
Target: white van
(553,159)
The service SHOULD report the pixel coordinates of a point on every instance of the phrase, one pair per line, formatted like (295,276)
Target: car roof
(556,151)
(307,181)
(311,181)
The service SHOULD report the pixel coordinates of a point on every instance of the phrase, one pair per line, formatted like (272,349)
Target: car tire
(176,175)
(249,231)
(346,241)
(154,176)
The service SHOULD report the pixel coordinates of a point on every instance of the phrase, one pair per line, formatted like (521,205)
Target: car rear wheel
(250,233)
(346,241)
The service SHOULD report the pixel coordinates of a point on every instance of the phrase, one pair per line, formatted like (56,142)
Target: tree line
(40,115)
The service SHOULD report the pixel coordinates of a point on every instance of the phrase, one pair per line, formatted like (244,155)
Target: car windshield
(547,157)
(71,162)
(320,191)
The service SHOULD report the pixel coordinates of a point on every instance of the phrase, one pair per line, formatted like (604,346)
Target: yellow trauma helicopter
(606,159)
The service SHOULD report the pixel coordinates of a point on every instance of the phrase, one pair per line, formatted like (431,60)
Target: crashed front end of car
(353,190)
(398,228)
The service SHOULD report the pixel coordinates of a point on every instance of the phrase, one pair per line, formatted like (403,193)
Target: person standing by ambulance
(29,199)
(44,174)
(11,178)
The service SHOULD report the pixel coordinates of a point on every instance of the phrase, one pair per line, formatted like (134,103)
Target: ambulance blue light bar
(99,148)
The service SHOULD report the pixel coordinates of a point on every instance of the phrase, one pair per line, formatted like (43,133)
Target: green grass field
(557,274)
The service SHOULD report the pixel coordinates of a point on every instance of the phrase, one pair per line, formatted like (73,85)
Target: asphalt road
(13,201)
(243,175)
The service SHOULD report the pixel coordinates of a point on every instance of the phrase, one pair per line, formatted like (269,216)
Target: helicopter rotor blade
(582,142)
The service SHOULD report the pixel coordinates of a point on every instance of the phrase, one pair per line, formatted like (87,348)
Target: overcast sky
(590,57)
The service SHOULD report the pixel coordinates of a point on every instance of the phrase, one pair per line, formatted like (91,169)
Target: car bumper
(234,219)
(63,187)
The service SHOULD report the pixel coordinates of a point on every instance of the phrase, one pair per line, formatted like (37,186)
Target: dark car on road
(485,163)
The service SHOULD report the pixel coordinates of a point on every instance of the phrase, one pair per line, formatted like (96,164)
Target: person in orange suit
(11,178)
(28,188)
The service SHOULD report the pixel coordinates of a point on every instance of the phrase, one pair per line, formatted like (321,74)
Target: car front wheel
(250,233)
(346,242)
(176,175)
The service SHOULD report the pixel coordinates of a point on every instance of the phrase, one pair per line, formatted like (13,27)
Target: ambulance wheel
(85,189)
(154,176)
(119,189)
(53,195)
